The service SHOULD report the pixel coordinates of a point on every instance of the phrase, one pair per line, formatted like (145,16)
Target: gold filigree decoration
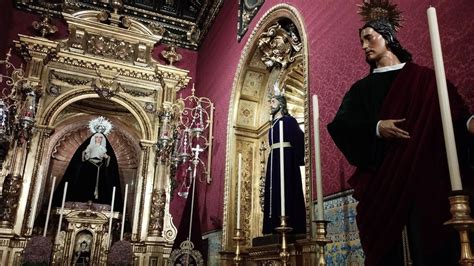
(193,34)
(380,10)
(171,55)
(105,86)
(82,63)
(186,253)
(156,28)
(279,46)
(137,92)
(10,195)
(69,79)
(110,47)
(54,90)
(45,26)
(158,201)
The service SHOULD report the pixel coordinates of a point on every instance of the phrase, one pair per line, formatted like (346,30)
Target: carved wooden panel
(246,115)
(253,83)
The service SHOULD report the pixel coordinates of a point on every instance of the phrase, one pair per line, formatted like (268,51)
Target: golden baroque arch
(247,127)
(53,110)
(100,69)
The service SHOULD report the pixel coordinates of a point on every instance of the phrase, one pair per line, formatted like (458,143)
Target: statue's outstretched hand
(389,130)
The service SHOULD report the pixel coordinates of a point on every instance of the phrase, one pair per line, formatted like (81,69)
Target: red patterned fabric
(335,62)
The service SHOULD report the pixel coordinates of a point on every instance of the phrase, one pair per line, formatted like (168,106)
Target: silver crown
(100,125)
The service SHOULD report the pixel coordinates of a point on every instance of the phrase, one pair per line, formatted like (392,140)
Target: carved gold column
(172,80)
(37,53)
(34,170)
(141,188)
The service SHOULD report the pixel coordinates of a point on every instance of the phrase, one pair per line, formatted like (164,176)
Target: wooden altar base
(265,250)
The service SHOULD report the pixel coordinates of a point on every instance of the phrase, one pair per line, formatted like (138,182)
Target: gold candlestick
(238,238)
(283,229)
(462,222)
(321,240)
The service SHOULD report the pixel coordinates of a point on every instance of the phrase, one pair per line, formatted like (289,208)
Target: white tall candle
(282,170)
(317,159)
(239,181)
(111,215)
(124,211)
(61,211)
(444,101)
(49,206)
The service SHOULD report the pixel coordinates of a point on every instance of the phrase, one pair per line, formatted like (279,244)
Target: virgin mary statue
(93,170)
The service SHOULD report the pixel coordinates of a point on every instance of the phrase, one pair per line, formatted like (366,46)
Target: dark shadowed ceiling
(186,21)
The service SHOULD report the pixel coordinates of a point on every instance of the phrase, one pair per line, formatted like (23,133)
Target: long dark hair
(283,104)
(385,29)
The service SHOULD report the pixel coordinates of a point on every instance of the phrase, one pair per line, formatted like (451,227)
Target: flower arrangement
(37,251)
(121,253)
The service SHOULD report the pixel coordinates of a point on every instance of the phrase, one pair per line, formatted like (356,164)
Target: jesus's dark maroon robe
(402,181)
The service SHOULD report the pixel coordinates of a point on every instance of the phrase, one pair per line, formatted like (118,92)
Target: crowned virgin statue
(93,170)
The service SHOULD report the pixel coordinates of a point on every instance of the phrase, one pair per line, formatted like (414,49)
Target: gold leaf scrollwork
(193,34)
(45,26)
(171,55)
(104,86)
(110,47)
(158,201)
(279,46)
(10,195)
(156,29)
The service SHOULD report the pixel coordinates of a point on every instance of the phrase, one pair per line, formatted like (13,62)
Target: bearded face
(275,110)
(275,106)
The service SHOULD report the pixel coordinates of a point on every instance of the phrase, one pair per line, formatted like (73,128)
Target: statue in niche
(82,250)
(93,170)
(82,255)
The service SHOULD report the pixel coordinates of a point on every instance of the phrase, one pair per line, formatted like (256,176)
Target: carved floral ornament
(45,26)
(106,86)
(279,46)
(171,55)
(110,47)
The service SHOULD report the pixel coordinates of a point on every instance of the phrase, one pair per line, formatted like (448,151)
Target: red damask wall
(335,62)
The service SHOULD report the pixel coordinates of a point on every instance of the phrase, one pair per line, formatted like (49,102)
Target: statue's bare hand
(389,130)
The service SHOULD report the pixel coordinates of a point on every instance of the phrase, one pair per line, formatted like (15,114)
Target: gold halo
(372,10)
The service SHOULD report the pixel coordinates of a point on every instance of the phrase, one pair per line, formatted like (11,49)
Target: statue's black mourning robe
(293,159)
(401,182)
(81,178)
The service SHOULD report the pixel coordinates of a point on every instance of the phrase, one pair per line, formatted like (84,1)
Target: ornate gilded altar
(103,67)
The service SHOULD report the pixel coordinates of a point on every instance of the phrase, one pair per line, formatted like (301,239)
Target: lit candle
(111,215)
(49,206)
(317,159)
(445,110)
(239,181)
(61,211)
(282,170)
(124,211)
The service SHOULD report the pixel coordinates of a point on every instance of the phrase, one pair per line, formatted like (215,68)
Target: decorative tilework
(342,230)
(214,244)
